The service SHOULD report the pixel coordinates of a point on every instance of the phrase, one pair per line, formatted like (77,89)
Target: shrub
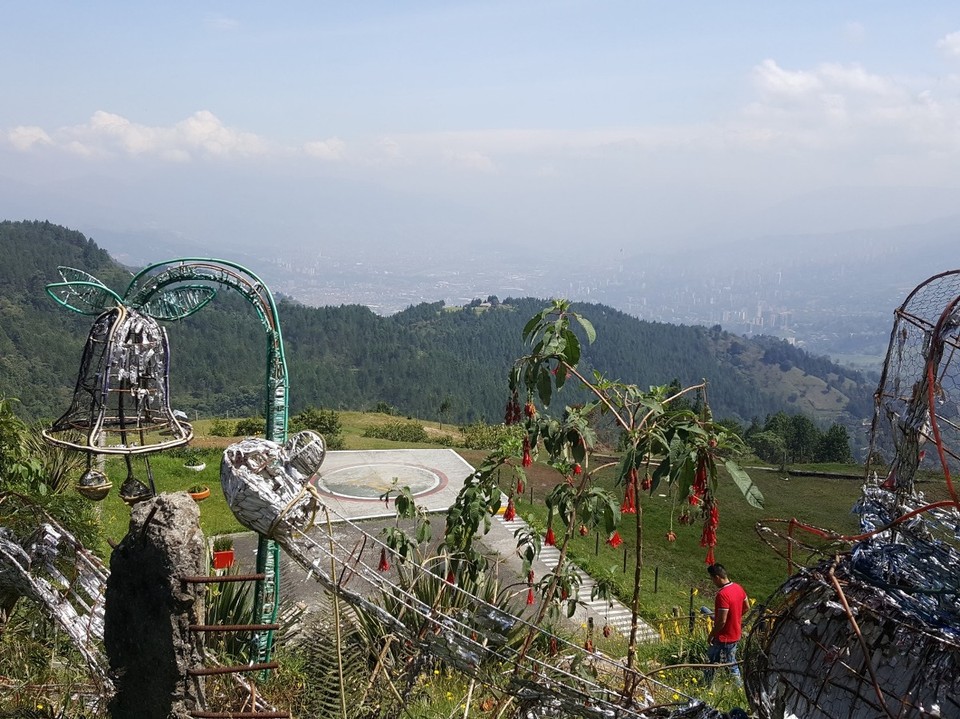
(399,431)
(222,428)
(250,427)
(323,421)
(480,435)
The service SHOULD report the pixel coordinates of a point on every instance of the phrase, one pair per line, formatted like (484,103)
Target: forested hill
(416,361)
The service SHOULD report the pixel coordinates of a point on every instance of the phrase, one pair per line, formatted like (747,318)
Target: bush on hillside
(325,422)
(222,428)
(481,435)
(250,427)
(398,432)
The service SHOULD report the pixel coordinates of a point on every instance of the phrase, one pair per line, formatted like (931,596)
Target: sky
(398,127)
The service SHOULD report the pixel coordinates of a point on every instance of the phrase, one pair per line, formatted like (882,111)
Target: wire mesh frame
(120,403)
(924,334)
(893,665)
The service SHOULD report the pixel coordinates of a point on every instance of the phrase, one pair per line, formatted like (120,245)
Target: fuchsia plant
(661,440)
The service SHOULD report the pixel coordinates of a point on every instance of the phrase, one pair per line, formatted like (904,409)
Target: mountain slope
(415,360)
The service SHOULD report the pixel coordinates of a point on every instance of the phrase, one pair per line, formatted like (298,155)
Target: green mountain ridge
(427,355)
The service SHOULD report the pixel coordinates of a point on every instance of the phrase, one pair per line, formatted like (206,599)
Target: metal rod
(209,671)
(206,579)
(233,627)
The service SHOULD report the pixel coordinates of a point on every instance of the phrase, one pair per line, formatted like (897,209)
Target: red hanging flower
(588,645)
(647,484)
(510,513)
(554,647)
(451,577)
(550,540)
(530,577)
(708,537)
(520,486)
(384,564)
(694,500)
(530,596)
(583,530)
(577,469)
(671,536)
(709,559)
(511,414)
(615,540)
(700,477)
(530,410)
(527,459)
(629,505)
(607,630)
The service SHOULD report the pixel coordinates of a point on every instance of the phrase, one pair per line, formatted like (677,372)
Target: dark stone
(149,610)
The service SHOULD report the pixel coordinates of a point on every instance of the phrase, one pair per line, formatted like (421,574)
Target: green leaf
(588,328)
(544,386)
(572,349)
(750,492)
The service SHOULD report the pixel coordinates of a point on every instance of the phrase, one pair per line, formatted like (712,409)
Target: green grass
(672,569)
(170,476)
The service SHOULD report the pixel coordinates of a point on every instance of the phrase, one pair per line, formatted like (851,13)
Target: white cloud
(332,149)
(772,79)
(108,134)
(949,45)
(24,138)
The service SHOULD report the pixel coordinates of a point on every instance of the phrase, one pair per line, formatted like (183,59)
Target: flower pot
(196,467)
(201,495)
(223,559)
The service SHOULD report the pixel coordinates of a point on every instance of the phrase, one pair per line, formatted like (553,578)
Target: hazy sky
(595,124)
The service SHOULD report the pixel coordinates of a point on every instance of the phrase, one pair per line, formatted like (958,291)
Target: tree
(834,445)
(663,445)
(444,407)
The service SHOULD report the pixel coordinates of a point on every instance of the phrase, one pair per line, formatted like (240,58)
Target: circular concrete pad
(371,481)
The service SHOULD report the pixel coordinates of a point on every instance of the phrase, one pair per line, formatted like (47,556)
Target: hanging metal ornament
(121,401)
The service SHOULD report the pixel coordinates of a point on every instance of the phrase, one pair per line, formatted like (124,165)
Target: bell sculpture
(121,401)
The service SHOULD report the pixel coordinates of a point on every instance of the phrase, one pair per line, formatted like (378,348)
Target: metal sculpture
(121,401)
(874,631)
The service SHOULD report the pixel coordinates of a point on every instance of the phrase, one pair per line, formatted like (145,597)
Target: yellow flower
(696,591)
(675,696)
(436,671)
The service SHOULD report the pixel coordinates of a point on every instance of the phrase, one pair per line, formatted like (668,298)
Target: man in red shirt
(729,607)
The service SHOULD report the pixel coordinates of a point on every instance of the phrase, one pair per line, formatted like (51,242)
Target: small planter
(196,467)
(223,552)
(198,494)
(223,559)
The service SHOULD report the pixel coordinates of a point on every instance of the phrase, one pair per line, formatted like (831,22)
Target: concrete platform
(352,482)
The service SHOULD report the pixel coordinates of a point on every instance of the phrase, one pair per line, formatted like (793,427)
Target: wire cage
(874,631)
(121,401)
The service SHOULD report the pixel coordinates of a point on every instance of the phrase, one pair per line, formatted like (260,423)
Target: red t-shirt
(730,597)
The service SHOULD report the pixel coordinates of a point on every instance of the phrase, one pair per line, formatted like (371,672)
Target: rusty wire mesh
(874,631)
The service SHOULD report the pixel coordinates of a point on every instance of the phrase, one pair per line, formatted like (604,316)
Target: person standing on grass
(729,607)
